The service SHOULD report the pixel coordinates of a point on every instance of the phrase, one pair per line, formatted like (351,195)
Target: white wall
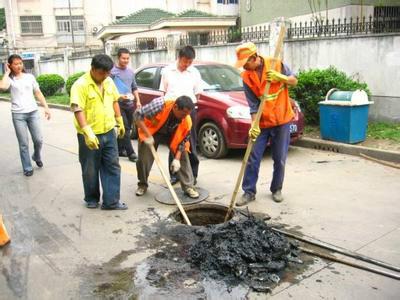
(372,59)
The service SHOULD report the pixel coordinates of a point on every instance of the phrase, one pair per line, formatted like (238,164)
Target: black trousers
(125,142)
(193,158)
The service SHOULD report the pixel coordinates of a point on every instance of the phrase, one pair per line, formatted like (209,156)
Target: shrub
(314,84)
(50,83)
(71,79)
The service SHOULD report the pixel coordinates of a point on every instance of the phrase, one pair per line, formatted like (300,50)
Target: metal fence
(300,30)
(344,27)
(74,54)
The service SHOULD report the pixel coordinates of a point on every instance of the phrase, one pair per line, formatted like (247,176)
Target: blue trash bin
(344,116)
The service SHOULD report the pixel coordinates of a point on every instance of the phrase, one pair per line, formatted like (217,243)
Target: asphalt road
(61,250)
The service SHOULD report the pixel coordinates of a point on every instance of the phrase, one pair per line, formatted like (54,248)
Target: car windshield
(220,78)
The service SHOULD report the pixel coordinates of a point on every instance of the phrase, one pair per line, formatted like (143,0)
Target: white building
(44,26)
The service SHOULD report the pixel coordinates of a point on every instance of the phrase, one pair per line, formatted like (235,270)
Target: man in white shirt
(182,79)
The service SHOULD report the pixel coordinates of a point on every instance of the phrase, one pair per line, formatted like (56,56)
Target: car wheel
(211,141)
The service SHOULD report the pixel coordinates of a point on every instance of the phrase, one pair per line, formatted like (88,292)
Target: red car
(223,118)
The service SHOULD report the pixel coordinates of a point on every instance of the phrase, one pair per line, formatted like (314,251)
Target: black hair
(183,102)
(10,60)
(188,52)
(121,51)
(102,62)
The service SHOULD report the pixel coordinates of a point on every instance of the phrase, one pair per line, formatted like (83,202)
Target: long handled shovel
(257,121)
(171,189)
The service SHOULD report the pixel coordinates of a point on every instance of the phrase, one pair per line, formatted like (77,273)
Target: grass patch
(376,130)
(310,129)
(59,98)
(387,131)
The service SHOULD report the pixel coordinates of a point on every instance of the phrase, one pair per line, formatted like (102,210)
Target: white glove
(175,166)
(149,141)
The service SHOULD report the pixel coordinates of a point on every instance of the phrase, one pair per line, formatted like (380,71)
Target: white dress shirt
(176,83)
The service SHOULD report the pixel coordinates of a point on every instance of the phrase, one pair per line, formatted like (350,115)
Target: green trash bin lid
(346,98)
(341,95)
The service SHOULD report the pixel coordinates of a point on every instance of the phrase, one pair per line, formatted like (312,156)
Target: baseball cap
(244,52)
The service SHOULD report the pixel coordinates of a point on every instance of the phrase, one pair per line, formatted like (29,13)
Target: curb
(51,105)
(391,156)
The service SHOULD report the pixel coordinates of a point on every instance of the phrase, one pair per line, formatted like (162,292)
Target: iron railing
(299,30)
(344,27)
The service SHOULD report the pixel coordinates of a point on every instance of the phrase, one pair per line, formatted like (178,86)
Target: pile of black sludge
(243,251)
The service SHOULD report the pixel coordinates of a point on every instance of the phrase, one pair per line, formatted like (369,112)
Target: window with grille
(64,24)
(392,12)
(146,43)
(31,24)
(228,1)
(198,38)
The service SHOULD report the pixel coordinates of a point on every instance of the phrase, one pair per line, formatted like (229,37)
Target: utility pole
(72,25)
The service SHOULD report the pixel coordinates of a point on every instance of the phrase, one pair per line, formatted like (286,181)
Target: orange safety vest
(277,107)
(155,123)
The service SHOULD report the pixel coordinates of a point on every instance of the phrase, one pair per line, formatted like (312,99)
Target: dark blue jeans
(280,139)
(101,163)
(22,122)
(127,116)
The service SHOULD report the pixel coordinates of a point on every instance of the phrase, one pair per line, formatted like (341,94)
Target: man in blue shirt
(124,79)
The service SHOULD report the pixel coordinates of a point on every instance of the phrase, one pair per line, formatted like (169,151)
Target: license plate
(293,128)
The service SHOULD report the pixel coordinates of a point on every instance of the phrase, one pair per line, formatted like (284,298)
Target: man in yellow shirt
(94,101)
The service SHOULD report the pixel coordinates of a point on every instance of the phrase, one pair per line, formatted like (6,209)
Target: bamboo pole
(171,189)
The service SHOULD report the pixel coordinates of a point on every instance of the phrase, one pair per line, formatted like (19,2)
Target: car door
(148,82)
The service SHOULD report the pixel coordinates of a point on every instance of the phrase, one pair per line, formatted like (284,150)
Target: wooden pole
(171,189)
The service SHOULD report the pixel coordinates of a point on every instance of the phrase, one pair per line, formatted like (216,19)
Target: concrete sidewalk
(61,250)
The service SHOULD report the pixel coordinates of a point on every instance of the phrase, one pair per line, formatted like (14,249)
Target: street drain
(203,214)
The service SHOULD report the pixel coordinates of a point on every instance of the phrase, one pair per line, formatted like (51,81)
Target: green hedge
(313,85)
(71,79)
(50,83)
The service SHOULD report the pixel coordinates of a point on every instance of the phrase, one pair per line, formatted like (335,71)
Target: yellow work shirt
(98,108)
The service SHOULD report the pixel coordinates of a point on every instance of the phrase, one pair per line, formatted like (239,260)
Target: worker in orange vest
(168,122)
(276,116)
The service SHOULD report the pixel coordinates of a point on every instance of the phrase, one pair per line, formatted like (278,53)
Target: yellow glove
(91,140)
(275,76)
(254,131)
(121,127)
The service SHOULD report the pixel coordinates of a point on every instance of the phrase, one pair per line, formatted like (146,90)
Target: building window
(64,24)
(31,24)
(198,38)
(228,1)
(392,12)
(146,43)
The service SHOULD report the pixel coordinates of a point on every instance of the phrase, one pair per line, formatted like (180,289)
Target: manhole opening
(203,214)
